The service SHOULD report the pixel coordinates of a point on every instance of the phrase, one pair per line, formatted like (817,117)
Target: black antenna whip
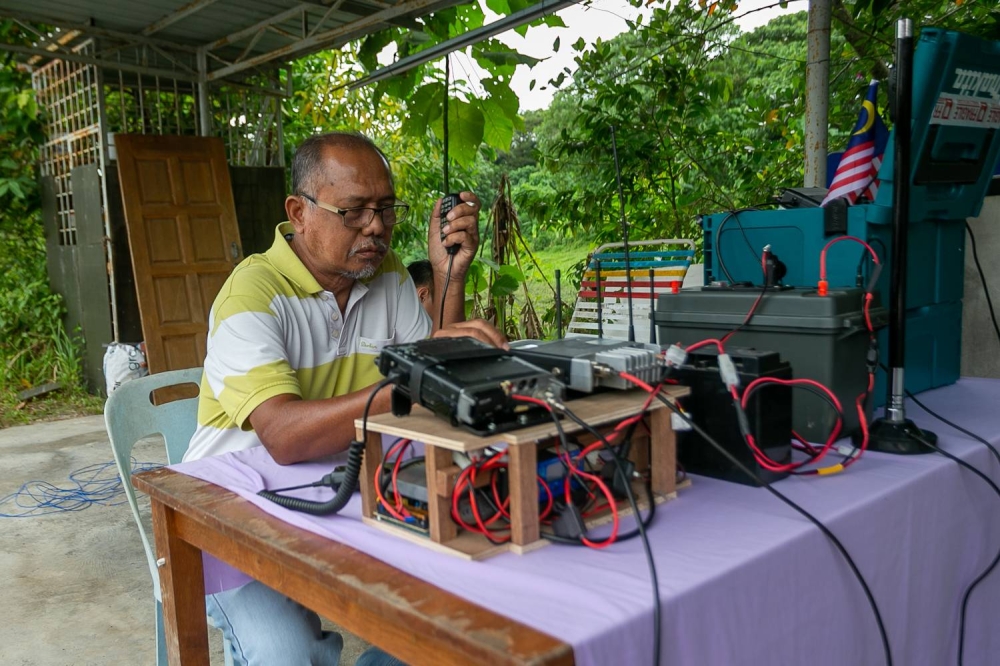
(628,263)
(447,84)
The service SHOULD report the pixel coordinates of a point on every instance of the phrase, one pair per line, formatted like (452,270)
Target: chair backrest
(130,416)
(606,277)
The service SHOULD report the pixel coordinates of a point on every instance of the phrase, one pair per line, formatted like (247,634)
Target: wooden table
(407,617)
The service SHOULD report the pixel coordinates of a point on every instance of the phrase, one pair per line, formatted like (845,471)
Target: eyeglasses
(359,218)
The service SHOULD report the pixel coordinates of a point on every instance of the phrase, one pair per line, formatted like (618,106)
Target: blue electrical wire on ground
(95,484)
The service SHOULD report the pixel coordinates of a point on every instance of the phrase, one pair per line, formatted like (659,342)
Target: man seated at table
(422,274)
(293,336)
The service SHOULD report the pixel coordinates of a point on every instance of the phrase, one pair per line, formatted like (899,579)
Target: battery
(824,338)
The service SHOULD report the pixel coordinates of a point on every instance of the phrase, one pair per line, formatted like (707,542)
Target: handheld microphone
(448,203)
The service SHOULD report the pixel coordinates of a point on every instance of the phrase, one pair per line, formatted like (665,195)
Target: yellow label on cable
(832,469)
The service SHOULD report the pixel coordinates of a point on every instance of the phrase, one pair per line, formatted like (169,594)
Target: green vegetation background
(708,118)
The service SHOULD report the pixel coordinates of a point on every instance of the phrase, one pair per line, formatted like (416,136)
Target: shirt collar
(285,261)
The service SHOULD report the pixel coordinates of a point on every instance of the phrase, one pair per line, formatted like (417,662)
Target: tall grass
(35,346)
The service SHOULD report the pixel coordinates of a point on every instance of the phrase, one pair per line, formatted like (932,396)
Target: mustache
(373,244)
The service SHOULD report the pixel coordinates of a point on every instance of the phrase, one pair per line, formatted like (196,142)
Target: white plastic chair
(669,260)
(130,416)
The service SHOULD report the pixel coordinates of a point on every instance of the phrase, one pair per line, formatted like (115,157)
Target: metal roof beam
(331,38)
(87,29)
(174,17)
(502,25)
(257,27)
(98,62)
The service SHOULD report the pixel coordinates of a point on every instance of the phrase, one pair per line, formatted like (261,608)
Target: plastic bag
(124,362)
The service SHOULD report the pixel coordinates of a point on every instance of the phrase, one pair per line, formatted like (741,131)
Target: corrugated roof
(234,36)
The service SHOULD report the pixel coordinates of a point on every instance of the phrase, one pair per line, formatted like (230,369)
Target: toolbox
(824,338)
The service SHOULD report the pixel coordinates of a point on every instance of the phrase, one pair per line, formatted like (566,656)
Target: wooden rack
(440,439)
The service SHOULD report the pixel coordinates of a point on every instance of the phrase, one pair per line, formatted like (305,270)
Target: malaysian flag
(858,169)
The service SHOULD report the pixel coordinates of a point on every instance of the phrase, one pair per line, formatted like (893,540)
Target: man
(293,336)
(423,279)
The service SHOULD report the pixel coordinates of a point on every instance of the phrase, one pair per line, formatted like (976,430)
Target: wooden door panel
(206,239)
(183,236)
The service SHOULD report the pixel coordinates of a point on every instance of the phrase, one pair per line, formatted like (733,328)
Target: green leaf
(465,131)
(15,189)
(554,21)
(494,266)
(423,108)
(512,271)
(555,45)
(494,56)
(504,97)
(579,44)
(504,285)
(371,47)
(498,128)
(501,7)
(531,86)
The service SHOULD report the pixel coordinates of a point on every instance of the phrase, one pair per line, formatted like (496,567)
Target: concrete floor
(74,587)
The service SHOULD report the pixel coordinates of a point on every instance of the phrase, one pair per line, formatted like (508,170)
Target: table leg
(442,527)
(523,483)
(369,468)
(182,587)
(663,452)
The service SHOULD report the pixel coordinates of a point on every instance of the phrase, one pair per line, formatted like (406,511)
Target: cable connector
(871,358)
(847,450)
(609,472)
(873,280)
(741,418)
(569,522)
(676,356)
(679,423)
(823,288)
(727,370)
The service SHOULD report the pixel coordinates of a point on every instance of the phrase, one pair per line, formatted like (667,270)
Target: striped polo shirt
(274,330)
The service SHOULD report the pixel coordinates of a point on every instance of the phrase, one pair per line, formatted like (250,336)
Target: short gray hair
(308,161)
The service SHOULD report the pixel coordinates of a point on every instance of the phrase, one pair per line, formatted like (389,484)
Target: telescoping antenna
(628,263)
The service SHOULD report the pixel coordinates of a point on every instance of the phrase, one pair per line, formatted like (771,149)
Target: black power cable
(989,569)
(734,215)
(823,528)
(982,277)
(981,440)
(972,586)
(640,526)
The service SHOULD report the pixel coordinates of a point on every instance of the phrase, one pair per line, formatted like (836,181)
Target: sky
(602,19)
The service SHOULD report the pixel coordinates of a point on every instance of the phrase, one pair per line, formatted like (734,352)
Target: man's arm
(461,227)
(295,430)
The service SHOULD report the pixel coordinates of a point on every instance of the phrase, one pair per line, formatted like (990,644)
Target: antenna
(628,264)
(600,313)
(652,308)
(447,84)
(558,304)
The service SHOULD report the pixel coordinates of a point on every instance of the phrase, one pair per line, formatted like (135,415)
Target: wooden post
(523,483)
(442,527)
(182,587)
(369,468)
(663,452)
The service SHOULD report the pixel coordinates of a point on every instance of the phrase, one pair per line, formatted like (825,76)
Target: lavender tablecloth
(744,580)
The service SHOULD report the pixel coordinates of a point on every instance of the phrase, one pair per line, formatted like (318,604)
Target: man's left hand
(461,227)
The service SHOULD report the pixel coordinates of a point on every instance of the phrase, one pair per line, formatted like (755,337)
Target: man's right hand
(479,329)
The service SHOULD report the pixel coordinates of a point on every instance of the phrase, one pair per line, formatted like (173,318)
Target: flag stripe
(858,169)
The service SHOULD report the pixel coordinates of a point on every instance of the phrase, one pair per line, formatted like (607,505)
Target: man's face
(351,178)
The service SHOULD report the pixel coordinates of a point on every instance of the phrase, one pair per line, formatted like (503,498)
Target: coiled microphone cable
(355,455)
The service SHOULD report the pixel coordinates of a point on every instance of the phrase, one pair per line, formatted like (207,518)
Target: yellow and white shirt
(274,330)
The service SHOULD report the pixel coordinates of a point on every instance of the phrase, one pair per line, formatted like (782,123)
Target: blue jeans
(266,628)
